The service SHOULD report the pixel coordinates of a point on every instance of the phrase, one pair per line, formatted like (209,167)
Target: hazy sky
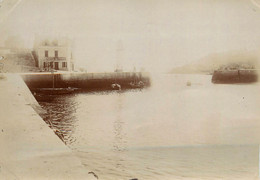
(154,34)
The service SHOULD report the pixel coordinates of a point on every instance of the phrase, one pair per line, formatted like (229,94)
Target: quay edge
(29,148)
(85,81)
(235,76)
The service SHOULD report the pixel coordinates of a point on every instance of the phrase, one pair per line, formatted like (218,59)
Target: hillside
(216,61)
(19,61)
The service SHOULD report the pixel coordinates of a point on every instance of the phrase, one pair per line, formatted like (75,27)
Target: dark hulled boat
(55,91)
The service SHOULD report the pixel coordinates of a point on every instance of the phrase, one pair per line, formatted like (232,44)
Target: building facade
(54,54)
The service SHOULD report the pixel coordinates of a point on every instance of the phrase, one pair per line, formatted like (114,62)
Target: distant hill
(19,60)
(216,61)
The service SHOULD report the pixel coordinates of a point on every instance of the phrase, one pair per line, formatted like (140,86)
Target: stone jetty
(29,148)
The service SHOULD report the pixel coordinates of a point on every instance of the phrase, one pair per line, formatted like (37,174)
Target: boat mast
(52,79)
(52,73)
(119,55)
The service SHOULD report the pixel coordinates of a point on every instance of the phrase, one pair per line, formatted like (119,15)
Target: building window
(44,64)
(56,65)
(64,64)
(46,54)
(56,54)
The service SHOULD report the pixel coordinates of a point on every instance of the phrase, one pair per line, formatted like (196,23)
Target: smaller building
(54,54)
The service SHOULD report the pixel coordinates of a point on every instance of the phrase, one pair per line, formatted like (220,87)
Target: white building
(54,54)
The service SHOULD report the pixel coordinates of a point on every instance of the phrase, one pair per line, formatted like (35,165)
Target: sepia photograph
(129,89)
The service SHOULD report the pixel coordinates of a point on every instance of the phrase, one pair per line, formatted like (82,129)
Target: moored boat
(116,86)
(56,91)
(140,84)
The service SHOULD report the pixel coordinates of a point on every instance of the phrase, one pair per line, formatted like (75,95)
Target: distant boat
(56,91)
(140,84)
(136,83)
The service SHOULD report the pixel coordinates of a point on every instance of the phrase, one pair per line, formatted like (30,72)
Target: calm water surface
(168,131)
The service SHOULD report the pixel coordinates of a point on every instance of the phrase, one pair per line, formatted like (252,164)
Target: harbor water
(182,127)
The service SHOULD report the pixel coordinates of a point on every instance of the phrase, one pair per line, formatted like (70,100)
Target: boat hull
(55,91)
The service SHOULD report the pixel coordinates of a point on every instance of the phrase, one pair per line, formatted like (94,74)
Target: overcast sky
(154,34)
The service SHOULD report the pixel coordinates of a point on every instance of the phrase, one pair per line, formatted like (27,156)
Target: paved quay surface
(29,149)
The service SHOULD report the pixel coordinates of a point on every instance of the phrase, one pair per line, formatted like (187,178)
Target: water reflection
(119,134)
(61,115)
(119,142)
